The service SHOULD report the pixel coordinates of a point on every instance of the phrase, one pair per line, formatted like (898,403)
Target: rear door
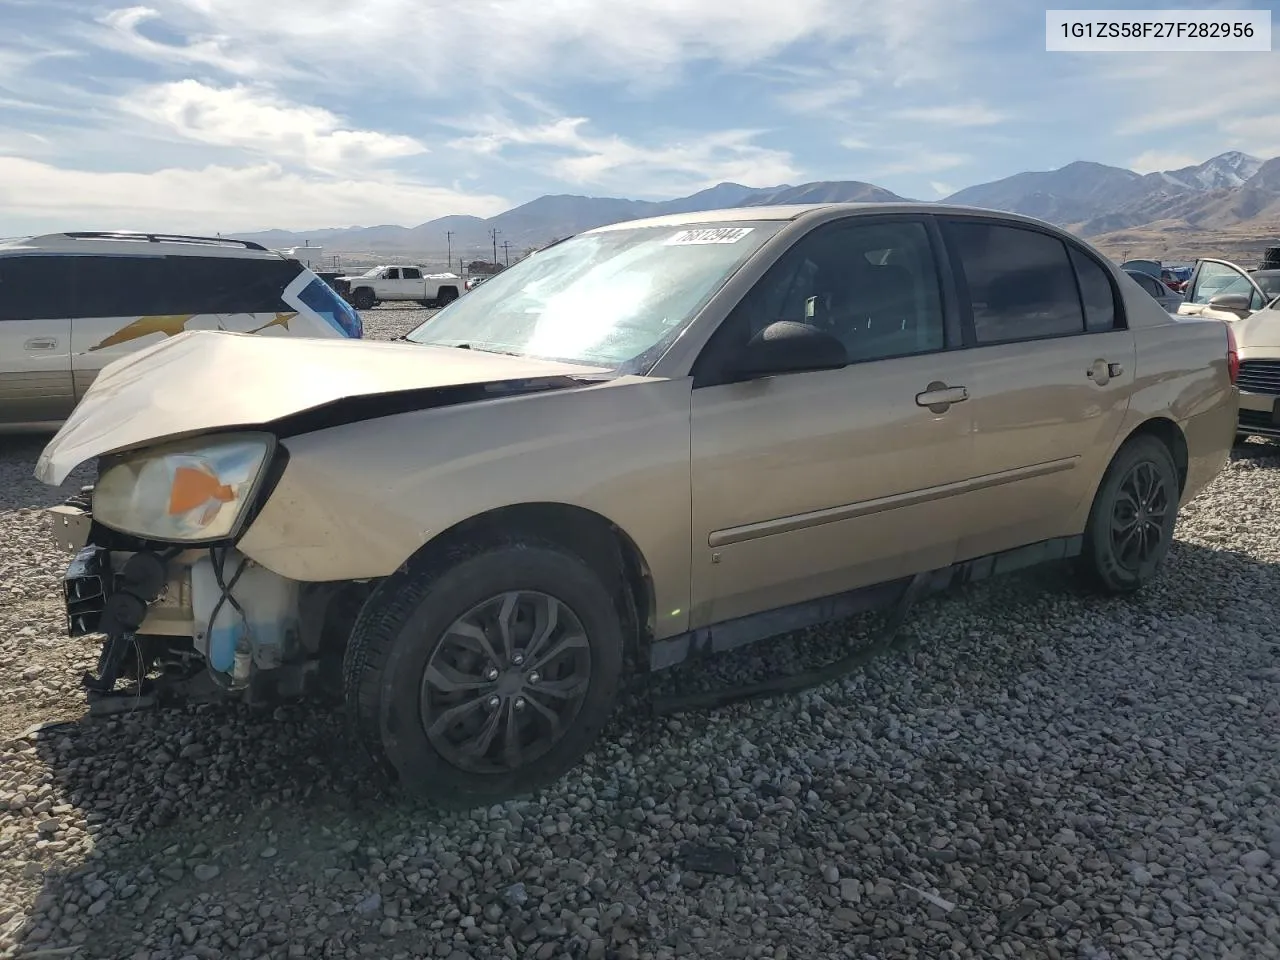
(1214,278)
(1052,374)
(35,339)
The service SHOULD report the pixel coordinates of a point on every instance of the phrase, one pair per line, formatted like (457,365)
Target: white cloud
(122,33)
(441,44)
(971,114)
(941,189)
(918,161)
(260,121)
(1151,161)
(609,160)
(217,198)
(880,49)
(1218,110)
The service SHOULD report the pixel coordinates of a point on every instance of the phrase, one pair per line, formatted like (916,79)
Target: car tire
(362,299)
(1132,519)
(1241,439)
(420,634)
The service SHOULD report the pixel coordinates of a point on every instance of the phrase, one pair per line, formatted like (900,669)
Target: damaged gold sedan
(652,440)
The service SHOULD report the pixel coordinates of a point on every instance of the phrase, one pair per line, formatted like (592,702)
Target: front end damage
(196,624)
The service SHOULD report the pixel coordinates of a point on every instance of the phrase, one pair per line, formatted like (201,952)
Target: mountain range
(1233,190)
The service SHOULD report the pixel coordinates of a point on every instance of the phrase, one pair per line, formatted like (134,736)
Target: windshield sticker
(710,235)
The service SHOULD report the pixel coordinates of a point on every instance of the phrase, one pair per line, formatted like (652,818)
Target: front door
(1215,278)
(1052,374)
(811,484)
(35,340)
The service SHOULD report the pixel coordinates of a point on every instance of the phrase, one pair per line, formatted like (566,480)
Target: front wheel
(487,675)
(1132,519)
(362,299)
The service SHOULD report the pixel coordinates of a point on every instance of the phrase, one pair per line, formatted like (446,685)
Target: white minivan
(70,303)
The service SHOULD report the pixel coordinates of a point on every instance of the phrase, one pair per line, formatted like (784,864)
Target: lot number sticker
(709,235)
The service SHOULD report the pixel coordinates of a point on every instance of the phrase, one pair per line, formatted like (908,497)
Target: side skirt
(741,631)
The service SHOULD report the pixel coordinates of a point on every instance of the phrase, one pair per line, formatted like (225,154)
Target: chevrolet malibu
(655,439)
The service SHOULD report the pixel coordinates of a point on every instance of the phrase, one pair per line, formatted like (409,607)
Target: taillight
(1233,355)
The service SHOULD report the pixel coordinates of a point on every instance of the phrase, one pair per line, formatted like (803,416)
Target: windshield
(1270,284)
(372,272)
(615,298)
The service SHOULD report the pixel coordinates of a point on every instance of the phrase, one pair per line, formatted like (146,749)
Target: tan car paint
(620,450)
(216,380)
(739,498)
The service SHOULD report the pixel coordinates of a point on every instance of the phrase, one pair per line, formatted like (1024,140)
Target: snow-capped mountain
(1225,171)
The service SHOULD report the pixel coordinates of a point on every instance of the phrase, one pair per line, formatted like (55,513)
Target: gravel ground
(1040,774)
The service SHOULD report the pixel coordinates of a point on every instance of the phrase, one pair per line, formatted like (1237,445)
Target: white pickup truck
(387,283)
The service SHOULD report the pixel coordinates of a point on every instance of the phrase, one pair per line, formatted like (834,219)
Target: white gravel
(1043,774)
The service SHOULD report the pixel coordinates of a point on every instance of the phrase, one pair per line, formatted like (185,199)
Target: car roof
(796,211)
(117,241)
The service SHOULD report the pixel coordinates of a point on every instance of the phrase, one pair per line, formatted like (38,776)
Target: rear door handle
(1101,372)
(937,396)
(42,343)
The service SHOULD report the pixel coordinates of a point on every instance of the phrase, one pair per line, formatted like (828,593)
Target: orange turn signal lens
(193,487)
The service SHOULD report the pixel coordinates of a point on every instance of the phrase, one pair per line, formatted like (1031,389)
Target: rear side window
(411,273)
(35,288)
(1021,283)
(157,286)
(1097,293)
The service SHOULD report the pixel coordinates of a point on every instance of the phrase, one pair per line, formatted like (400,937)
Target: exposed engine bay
(196,623)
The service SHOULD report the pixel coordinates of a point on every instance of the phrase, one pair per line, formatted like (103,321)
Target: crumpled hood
(1260,329)
(202,380)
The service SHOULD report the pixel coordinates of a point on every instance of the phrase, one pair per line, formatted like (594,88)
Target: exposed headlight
(192,490)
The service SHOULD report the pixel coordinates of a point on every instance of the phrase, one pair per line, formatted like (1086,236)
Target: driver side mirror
(1236,303)
(789,347)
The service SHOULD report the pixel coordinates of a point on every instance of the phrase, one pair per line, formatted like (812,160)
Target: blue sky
(248,114)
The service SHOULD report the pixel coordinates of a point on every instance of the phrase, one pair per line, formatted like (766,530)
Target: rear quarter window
(1102,309)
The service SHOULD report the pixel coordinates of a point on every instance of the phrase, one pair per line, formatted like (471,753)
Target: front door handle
(41,343)
(938,397)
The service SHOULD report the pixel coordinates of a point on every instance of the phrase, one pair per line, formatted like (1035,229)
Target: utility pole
(448,239)
(493,235)
(506,251)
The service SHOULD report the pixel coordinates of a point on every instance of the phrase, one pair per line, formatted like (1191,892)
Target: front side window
(615,297)
(34,287)
(1216,279)
(1021,282)
(873,286)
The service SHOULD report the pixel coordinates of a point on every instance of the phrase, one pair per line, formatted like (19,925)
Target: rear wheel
(362,299)
(487,675)
(1131,523)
